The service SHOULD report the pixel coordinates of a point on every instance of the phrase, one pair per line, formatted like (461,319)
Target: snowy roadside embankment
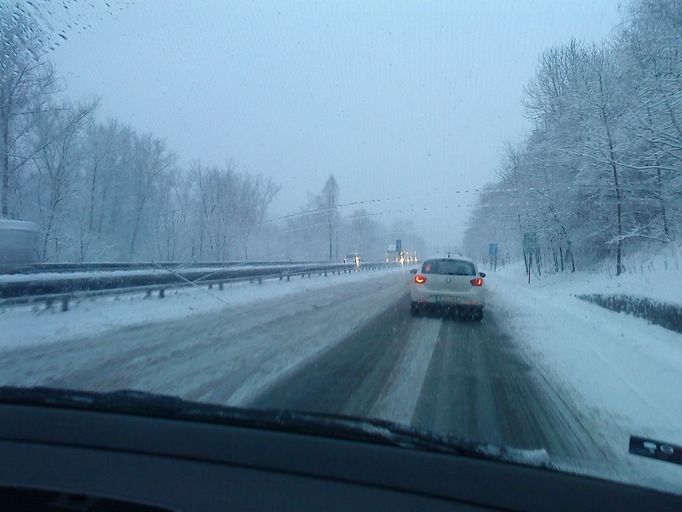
(33,325)
(623,372)
(661,313)
(653,294)
(658,285)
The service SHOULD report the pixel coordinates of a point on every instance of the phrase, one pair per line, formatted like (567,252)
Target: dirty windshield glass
(233,203)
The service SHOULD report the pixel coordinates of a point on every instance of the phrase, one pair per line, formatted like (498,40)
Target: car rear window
(449,267)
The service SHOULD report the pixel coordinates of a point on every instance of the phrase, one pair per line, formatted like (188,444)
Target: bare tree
(152,159)
(256,196)
(329,203)
(57,161)
(26,82)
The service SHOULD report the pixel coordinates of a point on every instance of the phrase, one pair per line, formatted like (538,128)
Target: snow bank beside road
(658,283)
(624,372)
(33,325)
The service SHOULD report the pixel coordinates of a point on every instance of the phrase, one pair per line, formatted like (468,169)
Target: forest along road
(349,348)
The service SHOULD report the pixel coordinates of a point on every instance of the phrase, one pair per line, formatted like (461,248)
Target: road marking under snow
(403,387)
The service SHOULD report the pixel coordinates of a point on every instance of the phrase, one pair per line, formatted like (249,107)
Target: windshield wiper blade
(328,425)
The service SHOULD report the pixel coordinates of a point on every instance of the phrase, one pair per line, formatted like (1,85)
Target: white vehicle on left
(19,243)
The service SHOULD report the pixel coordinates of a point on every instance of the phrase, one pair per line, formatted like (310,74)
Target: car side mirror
(482,274)
(413,271)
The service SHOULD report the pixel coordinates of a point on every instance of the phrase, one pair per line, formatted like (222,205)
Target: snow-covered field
(622,371)
(32,325)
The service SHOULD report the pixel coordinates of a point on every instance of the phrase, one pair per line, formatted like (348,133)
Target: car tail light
(420,279)
(477,281)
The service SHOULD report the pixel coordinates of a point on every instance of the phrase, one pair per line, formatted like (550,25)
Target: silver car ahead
(453,283)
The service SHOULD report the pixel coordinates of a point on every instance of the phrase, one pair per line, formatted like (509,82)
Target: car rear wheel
(414,309)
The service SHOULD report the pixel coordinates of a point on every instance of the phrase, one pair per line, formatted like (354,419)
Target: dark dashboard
(62,458)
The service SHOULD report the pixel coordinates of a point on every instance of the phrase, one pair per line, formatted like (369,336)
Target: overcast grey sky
(404,102)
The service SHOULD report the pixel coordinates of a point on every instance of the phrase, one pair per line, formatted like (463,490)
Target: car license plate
(446,299)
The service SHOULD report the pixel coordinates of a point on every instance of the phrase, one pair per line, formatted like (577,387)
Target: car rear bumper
(446,298)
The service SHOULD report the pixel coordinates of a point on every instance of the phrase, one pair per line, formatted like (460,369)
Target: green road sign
(530,242)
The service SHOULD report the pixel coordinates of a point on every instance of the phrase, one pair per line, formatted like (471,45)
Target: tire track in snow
(399,397)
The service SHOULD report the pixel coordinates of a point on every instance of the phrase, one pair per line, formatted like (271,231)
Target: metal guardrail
(35,268)
(26,285)
(82,288)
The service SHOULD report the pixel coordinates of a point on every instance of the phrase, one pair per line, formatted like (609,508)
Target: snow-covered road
(621,373)
(543,371)
(24,326)
(222,355)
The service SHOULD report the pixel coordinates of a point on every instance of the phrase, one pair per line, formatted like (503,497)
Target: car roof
(456,258)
